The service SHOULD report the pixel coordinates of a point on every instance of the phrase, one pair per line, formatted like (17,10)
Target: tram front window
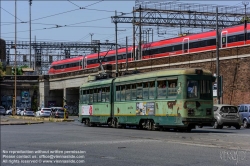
(192,87)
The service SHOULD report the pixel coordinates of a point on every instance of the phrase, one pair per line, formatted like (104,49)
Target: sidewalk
(9,120)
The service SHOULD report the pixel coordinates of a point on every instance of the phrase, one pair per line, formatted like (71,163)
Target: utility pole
(91,34)
(35,56)
(217,58)
(126,53)
(245,21)
(116,49)
(14,112)
(139,54)
(133,52)
(30,30)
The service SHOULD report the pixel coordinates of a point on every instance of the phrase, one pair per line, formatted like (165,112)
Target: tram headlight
(208,111)
(190,111)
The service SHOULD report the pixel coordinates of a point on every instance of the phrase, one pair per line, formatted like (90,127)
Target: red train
(232,36)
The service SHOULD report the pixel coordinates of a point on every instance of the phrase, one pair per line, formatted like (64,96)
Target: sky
(64,21)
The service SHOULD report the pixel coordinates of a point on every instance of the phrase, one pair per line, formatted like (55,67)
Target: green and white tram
(169,98)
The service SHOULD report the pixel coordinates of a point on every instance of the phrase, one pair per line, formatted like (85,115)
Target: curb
(20,123)
(43,119)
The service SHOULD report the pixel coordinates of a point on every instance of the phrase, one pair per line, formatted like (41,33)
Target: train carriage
(170,98)
(229,37)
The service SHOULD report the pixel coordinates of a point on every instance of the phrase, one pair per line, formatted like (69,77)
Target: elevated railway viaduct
(234,67)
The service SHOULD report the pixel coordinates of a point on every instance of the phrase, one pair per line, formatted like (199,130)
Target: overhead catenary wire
(11,14)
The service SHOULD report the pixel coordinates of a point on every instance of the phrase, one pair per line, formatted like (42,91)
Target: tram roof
(98,82)
(162,73)
(147,75)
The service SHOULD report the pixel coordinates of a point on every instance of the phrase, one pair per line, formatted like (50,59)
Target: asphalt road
(101,146)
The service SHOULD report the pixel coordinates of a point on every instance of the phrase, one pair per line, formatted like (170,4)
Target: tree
(18,70)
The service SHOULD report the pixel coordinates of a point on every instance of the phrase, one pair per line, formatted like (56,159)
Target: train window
(151,90)
(145,90)
(129,55)
(161,89)
(168,49)
(119,57)
(107,94)
(99,96)
(87,96)
(103,93)
(177,47)
(111,58)
(248,38)
(123,89)
(172,88)
(133,91)
(192,86)
(118,93)
(203,43)
(232,39)
(128,93)
(84,96)
(196,44)
(95,95)
(105,59)
(162,50)
(91,96)
(205,89)
(212,42)
(241,37)
(139,91)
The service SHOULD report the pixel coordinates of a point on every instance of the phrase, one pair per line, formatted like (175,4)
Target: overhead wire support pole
(140,29)
(245,21)
(14,112)
(116,49)
(133,52)
(30,2)
(217,58)
(126,53)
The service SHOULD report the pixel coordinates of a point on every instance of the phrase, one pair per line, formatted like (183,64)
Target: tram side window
(248,38)
(99,96)
(118,93)
(145,90)
(103,93)
(83,96)
(133,92)
(205,89)
(128,92)
(139,91)
(107,94)
(91,96)
(172,88)
(87,96)
(95,95)
(123,89)
(151,90)
(161,90)
(192,87)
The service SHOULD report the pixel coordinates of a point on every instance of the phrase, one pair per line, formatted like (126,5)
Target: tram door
(223,39)
(185,45)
